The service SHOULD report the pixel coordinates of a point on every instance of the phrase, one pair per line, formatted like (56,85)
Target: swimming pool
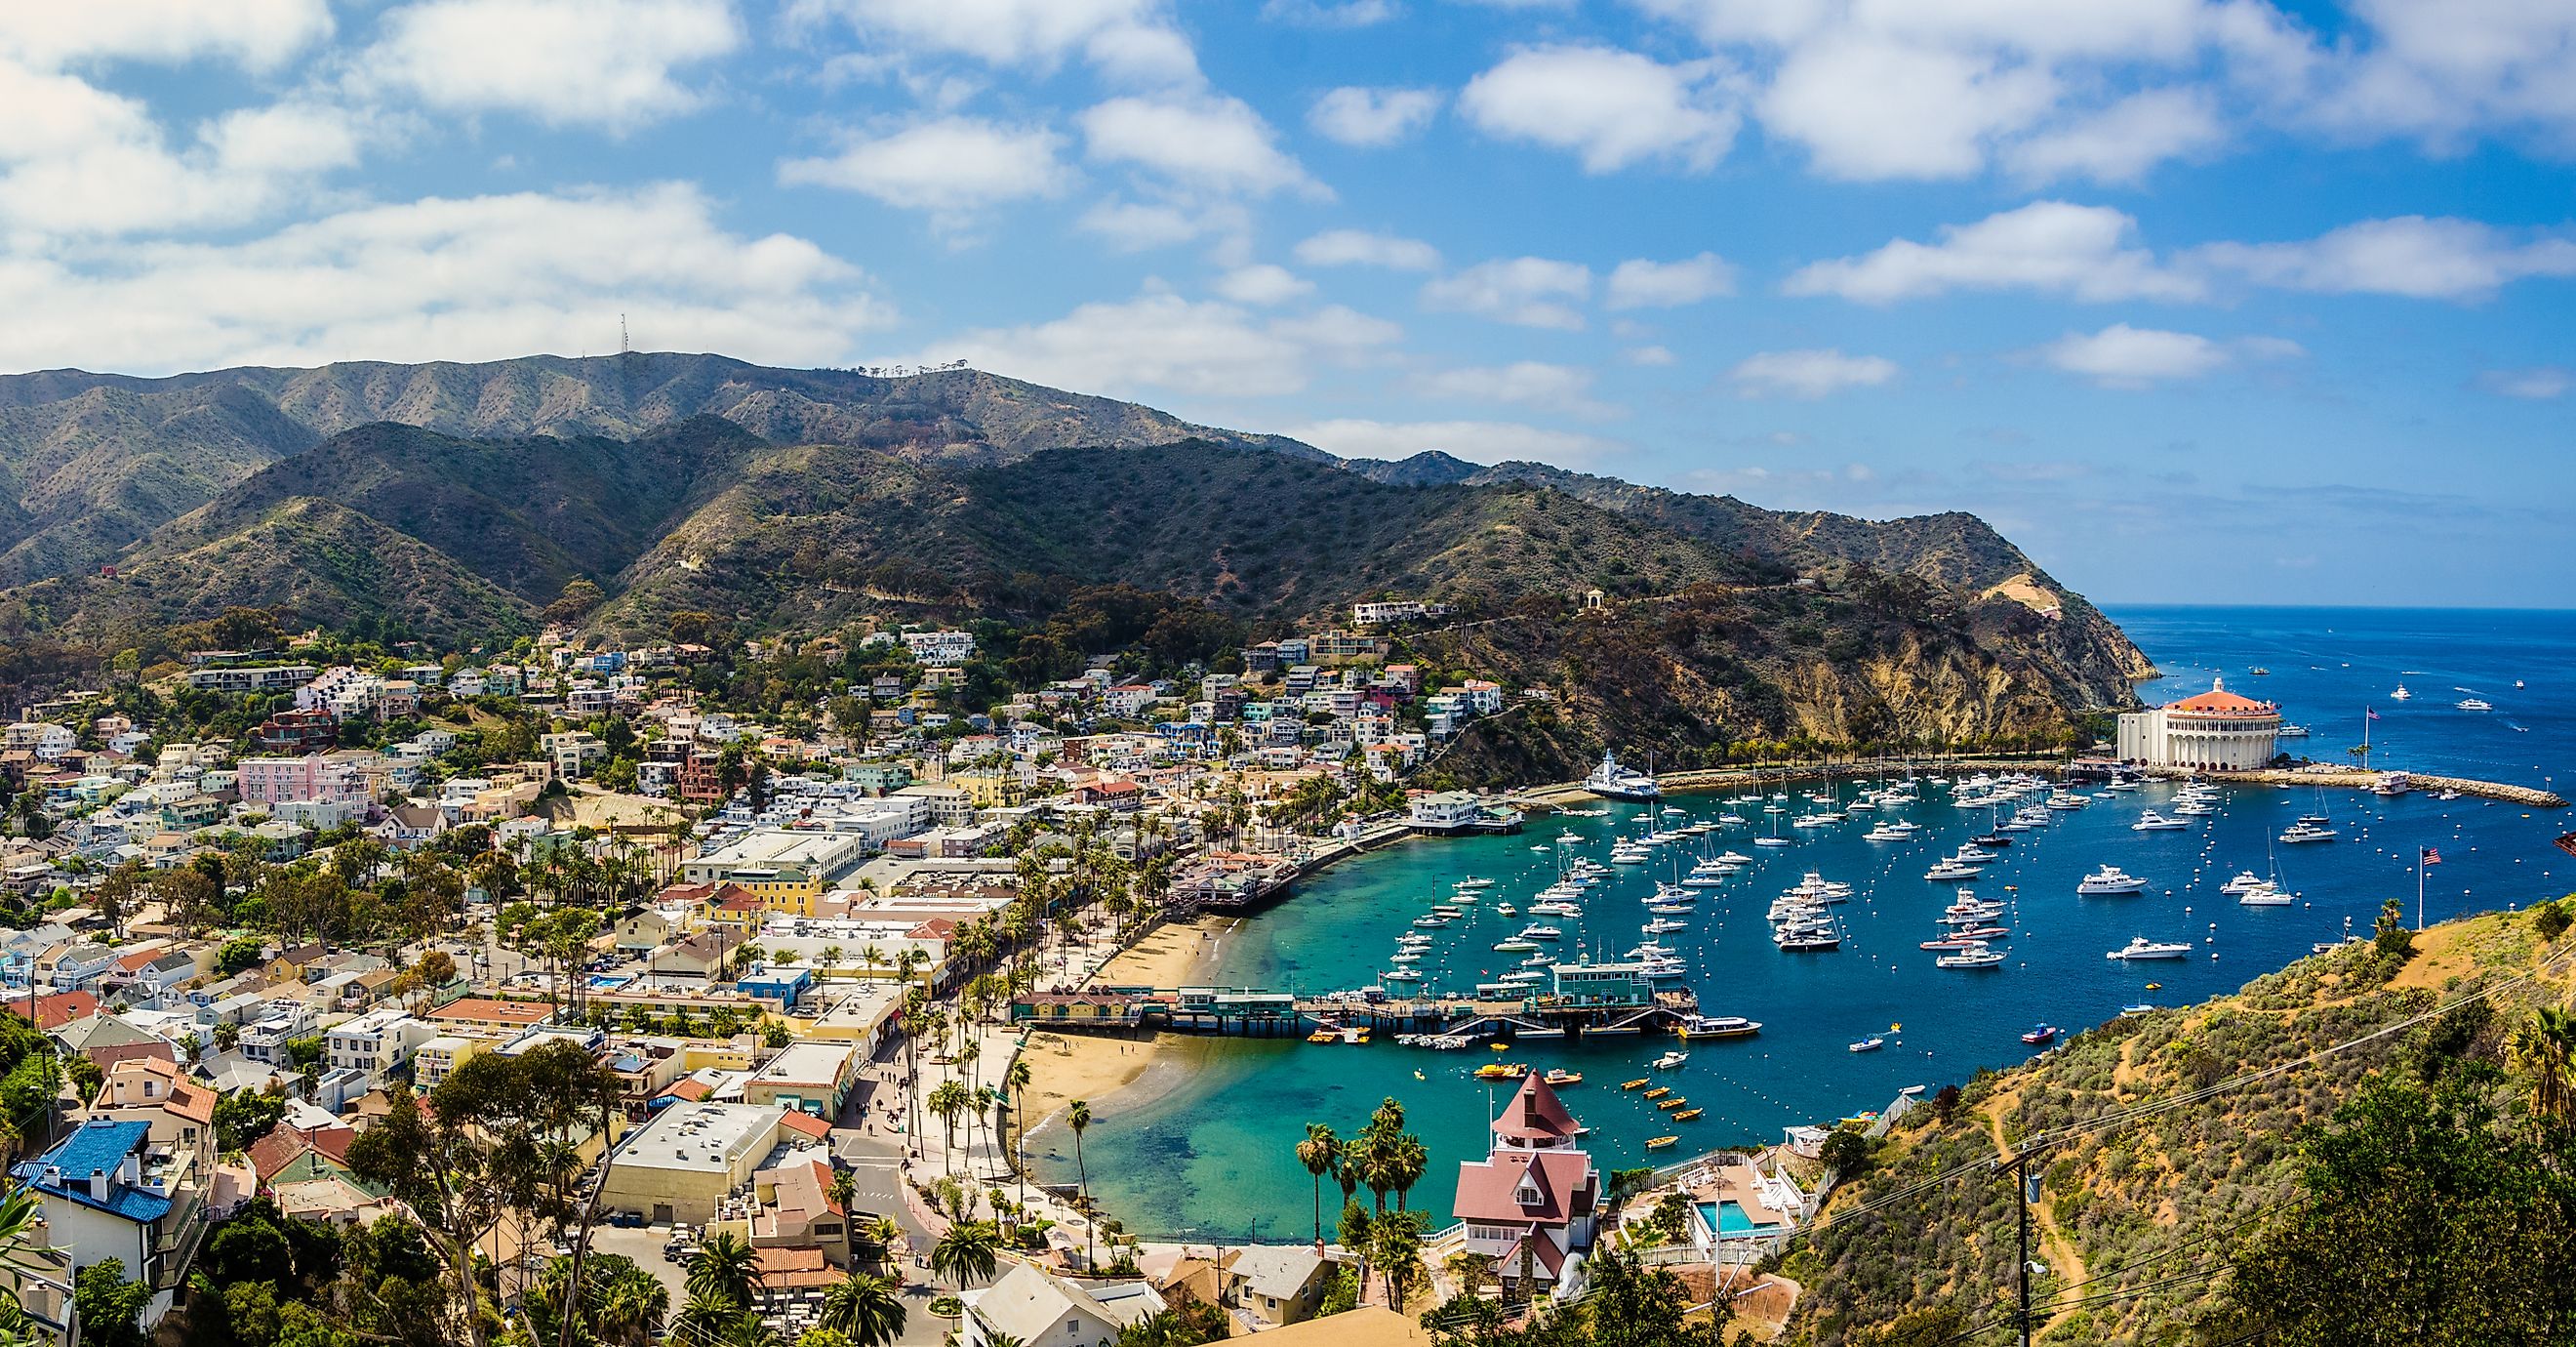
(1727,1219)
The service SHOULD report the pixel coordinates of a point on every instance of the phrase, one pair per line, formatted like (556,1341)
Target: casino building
(2216,731)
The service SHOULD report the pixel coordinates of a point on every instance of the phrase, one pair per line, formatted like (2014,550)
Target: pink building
(300,780)
(1533,1203)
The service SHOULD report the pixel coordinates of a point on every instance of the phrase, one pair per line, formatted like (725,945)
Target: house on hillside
(1533,1203)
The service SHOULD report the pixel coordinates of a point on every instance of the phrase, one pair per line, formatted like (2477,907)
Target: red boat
(2043,1034)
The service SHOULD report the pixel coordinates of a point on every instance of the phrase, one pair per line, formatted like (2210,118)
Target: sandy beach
(1064,1067)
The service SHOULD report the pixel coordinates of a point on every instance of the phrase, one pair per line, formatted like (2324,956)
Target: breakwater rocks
(2355,779)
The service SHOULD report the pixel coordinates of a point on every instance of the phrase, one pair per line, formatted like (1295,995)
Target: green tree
(110,1307)
(967,1254)
(868,1309)
(1319,1152)
(245,1116)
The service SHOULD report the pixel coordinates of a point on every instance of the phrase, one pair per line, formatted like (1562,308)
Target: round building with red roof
(2213,731)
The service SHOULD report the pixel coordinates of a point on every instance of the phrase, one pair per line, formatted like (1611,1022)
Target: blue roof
(97,1145)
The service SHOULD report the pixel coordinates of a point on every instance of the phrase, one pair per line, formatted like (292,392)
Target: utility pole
(2023,1195)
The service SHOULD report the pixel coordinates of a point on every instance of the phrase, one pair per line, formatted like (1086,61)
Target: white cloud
(1529,291)
(951,167)
(1263,283)
(1163,343)
(1127,39)
(475,278)
(1213,144)
(2539,383)
(2121,356)
(1371,117)
(77,160)
(1808,374)
(2122,142)
(1526,383)
(2410,256)
(2050,247)
(1475,441)
(2445,71)
(258,34)
(613,64)
(1653,356)
(1869,109)
(1609,107)
(1359,248)
(1136,226)
(1643,284)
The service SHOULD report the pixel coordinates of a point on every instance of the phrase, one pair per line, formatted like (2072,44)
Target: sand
(1064,1067)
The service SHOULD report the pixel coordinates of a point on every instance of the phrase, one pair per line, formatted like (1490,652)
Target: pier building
(2214,731)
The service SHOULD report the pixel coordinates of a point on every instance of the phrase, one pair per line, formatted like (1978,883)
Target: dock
(2354,778)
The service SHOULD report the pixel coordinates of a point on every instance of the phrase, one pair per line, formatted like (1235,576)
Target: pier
(2354,778)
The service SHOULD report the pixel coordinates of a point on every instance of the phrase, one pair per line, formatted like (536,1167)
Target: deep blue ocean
(1211,1157)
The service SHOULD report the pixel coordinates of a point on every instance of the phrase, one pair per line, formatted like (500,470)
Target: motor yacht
(2245,879)
(1720,1026)
(2267,894)
(1611,781)
(2143,948)
(1977,956)
(2308,832)
(1671,1059)
(2153,822)
(1950,871)
(2110,879)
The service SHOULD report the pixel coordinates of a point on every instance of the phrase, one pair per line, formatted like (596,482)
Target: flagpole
(2419,889)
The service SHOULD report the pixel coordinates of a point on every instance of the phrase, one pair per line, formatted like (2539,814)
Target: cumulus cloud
(2412,256)
(1527,291)
(1263,283)
(1212,143)
(1610,108)
(2121,356)
(1164,343)
(1126,39)
(951,167)
(1526,383)
(1643,284)
(1330,13)
(2049,247)
(257,34)
(1808,374)
(477,278)
(2120,143)
(613,64)
(1372,117)
(1359,248)
(1871,109)
(1475,441)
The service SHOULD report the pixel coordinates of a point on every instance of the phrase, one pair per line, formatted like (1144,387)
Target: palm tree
(1406,1162)
(884,1234)
(949,1100)
(1397,1241)
(1319,1152)
(967,1254)
(868,1309)
(2543,1046)
(632,1306)
(1078,1116)
(844,1189)
(1015,1082)
(724,1271)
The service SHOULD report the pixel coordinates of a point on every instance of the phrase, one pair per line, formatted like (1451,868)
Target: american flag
(2374,715)
(2429,855)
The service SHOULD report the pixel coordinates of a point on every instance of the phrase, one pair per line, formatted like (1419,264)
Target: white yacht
(2266,894)
(2401,694)
(1671,1059)
(1977,955)
(1612,781)
(1884,833)
(1664,925)
(2245,879)
(2475,704)
(2110,879)
(2153,822)
(2195,808)
(1538,932)
(2143,948)
(1950,871)
(2304,831)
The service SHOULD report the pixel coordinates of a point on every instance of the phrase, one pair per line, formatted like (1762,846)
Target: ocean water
(1212,1157)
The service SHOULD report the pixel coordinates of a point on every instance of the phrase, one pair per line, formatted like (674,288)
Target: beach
(1064,1067)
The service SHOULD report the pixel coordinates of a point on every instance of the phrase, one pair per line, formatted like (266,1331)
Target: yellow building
(680,1166)
(990,790)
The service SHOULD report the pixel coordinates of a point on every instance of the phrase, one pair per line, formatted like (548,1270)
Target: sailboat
(1775,839)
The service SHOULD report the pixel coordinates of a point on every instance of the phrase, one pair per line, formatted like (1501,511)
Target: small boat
(1400,975)
(1668,1105)
(2153,822)
(1506,910)
(2141,947)
(2475,704)
(1870,1044)
(1632,1084)
(1670,1060)
(2046,1033)
(1560,1077)
(1323,1036)
(1979,956)
(1501,1071)
(1516,945)
(1659,1092)
(2401,694)
(1658,1143)
(1720,1026)
(1689,1115)
(2308,832)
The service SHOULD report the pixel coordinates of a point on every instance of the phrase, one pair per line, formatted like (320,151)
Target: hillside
(90,463)
(2142,1221)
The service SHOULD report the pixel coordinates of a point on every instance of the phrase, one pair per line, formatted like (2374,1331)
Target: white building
(2214,731)
(940,647)
(376,1042)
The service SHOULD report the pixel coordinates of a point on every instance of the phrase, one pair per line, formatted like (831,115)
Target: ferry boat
(1611,781)
(1870,1044)
(2110,879)
(2141,947)
(2304,831)
(1671,1059)
(2153,822)
(2475,704)
(2043,1034)
(1977,957)
(1720,1026)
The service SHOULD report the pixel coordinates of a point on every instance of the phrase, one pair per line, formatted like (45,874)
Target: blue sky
(2196,299)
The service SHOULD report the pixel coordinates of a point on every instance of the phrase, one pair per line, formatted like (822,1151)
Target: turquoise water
(1728,1218)
(1213,1158)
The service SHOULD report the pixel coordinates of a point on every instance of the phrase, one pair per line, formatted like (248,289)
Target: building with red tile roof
(2217,730)
(1533,1204)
